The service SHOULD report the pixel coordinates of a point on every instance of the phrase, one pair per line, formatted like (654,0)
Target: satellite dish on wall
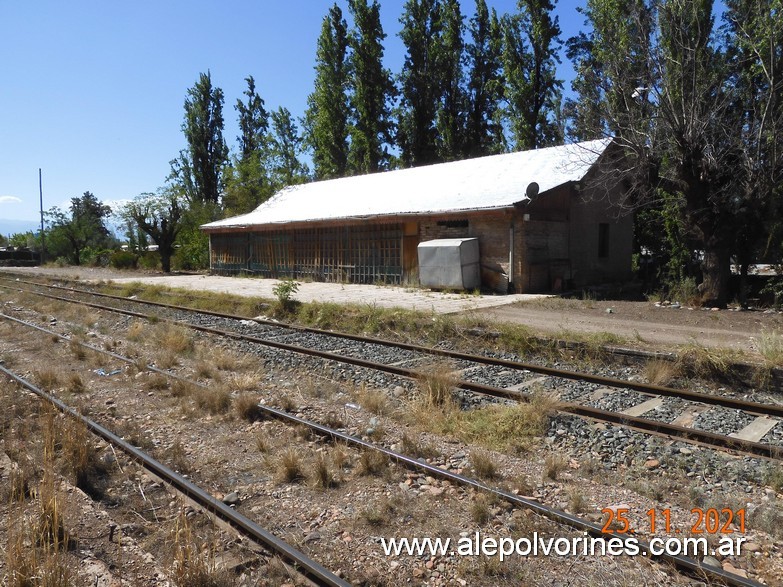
(531,191)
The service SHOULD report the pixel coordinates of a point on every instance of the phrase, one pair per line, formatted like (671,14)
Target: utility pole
(40,192)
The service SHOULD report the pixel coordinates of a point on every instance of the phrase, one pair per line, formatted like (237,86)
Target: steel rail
(308,567)
(590,528)
(692,435)
(686,564)
(648,388)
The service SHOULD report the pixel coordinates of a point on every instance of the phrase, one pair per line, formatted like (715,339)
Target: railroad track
(312,570)
(508,379)
(306,566)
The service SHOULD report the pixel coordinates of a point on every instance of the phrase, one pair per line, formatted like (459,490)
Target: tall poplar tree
(326,119)
(530,58)
(285,150)
(247,180)
(451,115)
(484,131)
(199,167)
(420,87)
(253,120)
(372,90)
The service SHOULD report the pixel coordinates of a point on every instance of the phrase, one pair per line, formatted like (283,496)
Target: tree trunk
(165,260)
(743,288)
(716,268)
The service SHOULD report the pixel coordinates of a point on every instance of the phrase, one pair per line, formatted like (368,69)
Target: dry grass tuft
(156,382)
(81,458)
(771,347)
(479,510)
(577,504)
(290,466)
(195,563)
(174,339)
(436,386)
(77,350)
(505,428)
(659,372)
(47,378)
(75,384)
(374,401)
(214,401)
(137,331)
(373,463)
(323,475)
(246,407)
(245,381)
(181,388)
(553,466)
(416,448)
(483,464)
(286,403)
(707,363)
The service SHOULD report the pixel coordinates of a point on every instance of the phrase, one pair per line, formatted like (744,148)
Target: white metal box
(451,263)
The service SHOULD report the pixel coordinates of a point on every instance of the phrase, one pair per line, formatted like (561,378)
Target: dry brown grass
(418,449)
(770,345)
(372,463)
(75,384)
(137,331)
(436,385)
(374,401)
(174,339)
(659,372)
(483,464)
(246,407)
(322,474)
(156,382)
(47,378)
(290,466)
(553,466)
(213,400)
(506,428)
(194,561)
(250,381)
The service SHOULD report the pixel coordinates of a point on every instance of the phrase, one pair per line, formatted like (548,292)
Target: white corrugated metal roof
(497,181)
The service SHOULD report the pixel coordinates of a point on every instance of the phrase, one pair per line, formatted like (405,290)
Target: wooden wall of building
(357,254)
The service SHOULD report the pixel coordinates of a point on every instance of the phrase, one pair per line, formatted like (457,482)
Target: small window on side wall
(603,240)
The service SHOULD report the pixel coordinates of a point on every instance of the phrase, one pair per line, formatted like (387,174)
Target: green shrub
(284,290)
(123,260)
(149,260)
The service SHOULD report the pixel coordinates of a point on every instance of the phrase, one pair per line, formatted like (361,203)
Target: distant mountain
(8,227)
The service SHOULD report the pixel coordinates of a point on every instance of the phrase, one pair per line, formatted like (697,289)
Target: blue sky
(92,92)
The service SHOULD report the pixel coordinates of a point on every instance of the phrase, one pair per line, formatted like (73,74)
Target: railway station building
(543,219)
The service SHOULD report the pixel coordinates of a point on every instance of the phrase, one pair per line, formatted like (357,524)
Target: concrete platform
(379,295)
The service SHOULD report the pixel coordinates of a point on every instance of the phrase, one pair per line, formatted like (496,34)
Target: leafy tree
(158,216)
(199,168)
(253,121)
(81,228)
(676,111)
(247,181)
(420,87)
(451,58)
(484,131)
(372,89)
(327,113)
(530,58)
(285,148)
(753,36)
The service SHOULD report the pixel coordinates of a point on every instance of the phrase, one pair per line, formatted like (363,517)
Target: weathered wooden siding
(358,254)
